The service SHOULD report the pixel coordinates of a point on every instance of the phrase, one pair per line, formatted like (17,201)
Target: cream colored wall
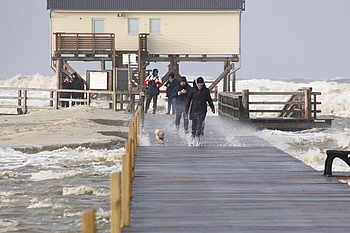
(182,32)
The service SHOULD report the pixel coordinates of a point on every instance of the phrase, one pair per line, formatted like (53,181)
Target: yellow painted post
(88,222)
(115,203)
(127,145)
(131,168)
(125,190)
(138,127)
(134,138)
(139,119)
(132,157)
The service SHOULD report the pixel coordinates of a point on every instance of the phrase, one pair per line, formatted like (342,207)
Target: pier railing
(241,104)
(121,183)
(274,110)
(20,100)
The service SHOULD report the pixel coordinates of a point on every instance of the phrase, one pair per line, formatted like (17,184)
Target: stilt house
(116,31)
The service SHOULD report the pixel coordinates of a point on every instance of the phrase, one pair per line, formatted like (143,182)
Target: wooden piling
(115,203)
(125,190)
(245,103)
(307,103)
(88,222)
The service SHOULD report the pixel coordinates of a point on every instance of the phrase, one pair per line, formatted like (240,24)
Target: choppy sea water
(49,190)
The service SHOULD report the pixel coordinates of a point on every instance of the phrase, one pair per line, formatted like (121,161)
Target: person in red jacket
(153,83)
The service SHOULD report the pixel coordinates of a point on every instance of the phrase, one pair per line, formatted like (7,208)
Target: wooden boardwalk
(236,182)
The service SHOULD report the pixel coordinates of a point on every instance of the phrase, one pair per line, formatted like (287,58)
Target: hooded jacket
(197,100)
(153,83)
(180,100)
(170,85)
(77,84)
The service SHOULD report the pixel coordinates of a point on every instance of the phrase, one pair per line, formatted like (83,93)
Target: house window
(154,27)
(98,25)
(133,27)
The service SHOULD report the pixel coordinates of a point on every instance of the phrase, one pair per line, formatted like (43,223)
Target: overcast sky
(281,39)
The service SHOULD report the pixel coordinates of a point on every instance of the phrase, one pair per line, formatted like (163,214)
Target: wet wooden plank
(247,188)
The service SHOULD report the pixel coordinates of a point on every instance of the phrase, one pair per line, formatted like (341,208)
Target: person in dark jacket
(77,84)
(197,100)
(170,85)
(179,95)
(66,84)
(153,83)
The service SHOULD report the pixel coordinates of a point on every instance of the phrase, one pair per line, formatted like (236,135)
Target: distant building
(154,30)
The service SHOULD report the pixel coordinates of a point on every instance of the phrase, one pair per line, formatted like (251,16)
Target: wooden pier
(290,111)
(236,182)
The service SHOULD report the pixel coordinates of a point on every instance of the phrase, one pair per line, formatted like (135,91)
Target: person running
(179,95)
(197,100)
(170,85)
(153,83)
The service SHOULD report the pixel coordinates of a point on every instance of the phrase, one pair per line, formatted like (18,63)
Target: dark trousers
(197,124)
(148,101)
(76,102)
(180,111)
(171,105)
(65,104)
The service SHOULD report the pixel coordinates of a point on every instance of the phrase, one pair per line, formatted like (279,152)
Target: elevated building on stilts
(126,36)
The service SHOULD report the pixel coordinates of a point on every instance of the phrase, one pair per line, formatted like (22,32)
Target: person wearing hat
(197,100)
(153,83)
(77,84)
(66,84)
(170,85)
(179,95)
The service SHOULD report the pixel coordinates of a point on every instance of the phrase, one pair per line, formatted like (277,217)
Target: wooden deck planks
(248,188)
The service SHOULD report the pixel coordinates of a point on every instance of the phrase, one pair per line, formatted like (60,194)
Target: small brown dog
(159,136)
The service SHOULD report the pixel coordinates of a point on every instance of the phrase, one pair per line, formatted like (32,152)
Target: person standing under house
(77,84)
(197,100)
(153,83)
(170,85)
(179,95)
(66,84)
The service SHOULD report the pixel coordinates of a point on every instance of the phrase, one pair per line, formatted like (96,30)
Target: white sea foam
(30,81)
(37,203)
(49,175)
(7,225)
(85,190)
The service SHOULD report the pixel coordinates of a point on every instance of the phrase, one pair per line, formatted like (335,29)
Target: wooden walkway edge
(194,189)
(235,183)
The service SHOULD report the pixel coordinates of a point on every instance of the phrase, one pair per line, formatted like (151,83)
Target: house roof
(158,5)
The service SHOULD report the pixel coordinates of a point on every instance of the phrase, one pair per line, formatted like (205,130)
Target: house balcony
(83,46)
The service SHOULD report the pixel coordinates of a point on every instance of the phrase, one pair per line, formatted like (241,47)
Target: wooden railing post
(307,103)
(315,107)
(88,100)
(245,103)
(51,98)
(57,100)
(115,203)
(19,102)
(126,190)
(88,222)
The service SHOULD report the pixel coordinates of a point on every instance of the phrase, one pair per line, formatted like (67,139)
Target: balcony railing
(84,43)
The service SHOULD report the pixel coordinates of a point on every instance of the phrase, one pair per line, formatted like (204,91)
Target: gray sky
(281,39)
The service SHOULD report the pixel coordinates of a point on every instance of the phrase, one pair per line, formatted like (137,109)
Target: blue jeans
(171,105)
(180,111)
